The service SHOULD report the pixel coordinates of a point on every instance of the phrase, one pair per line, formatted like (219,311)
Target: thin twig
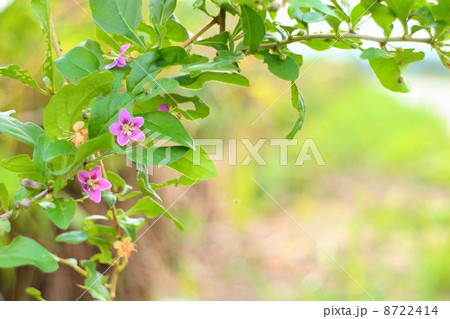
(75,267)
(306,37)
(199,33)
(55,43)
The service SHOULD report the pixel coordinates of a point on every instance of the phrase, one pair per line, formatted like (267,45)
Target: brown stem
(221,20)
(37,197)
(306,37)
(199,33)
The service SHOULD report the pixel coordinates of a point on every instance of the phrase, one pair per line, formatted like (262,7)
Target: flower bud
(28,183)
(26,202)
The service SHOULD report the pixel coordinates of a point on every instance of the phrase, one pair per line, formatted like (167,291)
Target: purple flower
(93,183)
(163,108)
(127,128)
(119,60)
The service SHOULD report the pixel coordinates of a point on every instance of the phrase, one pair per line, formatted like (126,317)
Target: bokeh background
(380,206)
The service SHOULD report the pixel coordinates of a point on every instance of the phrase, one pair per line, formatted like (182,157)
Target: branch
(306,37)
(26,202)
(116,265)
(199,33)
(75,267)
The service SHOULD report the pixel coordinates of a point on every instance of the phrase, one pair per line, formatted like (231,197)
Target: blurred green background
(380,206)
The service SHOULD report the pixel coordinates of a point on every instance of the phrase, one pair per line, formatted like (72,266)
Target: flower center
(92,184)
(128,128)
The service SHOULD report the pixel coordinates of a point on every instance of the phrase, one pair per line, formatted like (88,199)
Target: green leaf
(158,87)
(66,106)
(196,82)
(81,61)
(168,126)
(19,164)
(201,110)
(118,16)
(382,15)
(24,132)
(156,156)
(38,154)
(116,180)
(4,197)
(72,237)
(218,42)
(151,209)
(226,60)
(5,226)
(105,111)
(95,282)
(63,212)
(253,27)
(144,186)
(401,9)
(195,165)
(299,105)
(314,4)
(286,69)
(58,148)
(33,292)
(14,71)
(388,72)
(25,251)
(103,142)
(176,31)
(373,53)
(143,70)
(388,68)
(41,9)
(161,10)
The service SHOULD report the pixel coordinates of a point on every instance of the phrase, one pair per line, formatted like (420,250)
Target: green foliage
(15,72)
(27,133)
(87,97)
(66,106)
(25,251)
(62,212)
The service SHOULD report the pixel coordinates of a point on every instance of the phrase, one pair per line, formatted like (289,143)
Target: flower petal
(138,135)
(115,128)
(137,121)
(83,176)
(103,184)
(122,139)
(163,108)
(96,172)
(121,62)
(124,116)
(124,48)
(111,65)
(96,195)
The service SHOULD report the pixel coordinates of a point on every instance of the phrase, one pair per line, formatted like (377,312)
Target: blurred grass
(380,206)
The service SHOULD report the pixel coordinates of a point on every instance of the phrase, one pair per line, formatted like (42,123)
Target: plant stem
(199,33)
(116,266)
(54,39)
(221,20)
(75,267)
(31,200)
(306,37)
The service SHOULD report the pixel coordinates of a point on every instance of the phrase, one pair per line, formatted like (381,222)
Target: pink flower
(163,108)
(119,61)
(127,128)
(93,183)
